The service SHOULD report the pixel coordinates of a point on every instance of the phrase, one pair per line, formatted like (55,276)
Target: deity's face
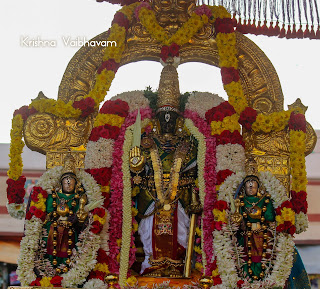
(251,187)
(68,184)
(167,121)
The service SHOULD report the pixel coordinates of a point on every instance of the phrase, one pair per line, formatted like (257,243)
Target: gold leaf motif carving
(56,158)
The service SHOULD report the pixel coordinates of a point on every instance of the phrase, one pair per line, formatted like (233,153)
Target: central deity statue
(164,171)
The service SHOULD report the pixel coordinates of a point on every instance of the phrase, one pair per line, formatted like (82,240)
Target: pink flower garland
(210,181)
(116,188)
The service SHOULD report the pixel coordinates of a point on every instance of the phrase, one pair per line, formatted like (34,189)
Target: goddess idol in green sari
(256,219)
(66,218)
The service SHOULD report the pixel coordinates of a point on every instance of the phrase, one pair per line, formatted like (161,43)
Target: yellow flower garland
(275,121)
(45,282)
(103,267)
(220,216)
(16,148)
(297,160)
(229,123)
(56,107)
(111,119)
(287,214)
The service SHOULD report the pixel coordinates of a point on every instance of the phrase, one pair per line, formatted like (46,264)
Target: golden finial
(298,106)
(69,166)
(169,92)
(40,96)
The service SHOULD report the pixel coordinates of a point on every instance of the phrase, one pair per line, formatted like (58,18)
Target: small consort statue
(255,215)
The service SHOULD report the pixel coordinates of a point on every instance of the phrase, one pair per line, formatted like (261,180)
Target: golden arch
(258,76)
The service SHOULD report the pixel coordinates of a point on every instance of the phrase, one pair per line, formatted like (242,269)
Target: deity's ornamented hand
(82,214)
(137,160)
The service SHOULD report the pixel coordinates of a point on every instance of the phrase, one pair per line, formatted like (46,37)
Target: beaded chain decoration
(63,210)
(256,212)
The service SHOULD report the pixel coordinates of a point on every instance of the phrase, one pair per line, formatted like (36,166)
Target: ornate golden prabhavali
(54,136)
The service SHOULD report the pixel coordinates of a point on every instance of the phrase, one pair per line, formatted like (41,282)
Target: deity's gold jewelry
(179,127)
(167,194)
(256,212)
(64,211)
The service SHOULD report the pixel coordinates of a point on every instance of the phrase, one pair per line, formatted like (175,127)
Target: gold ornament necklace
(167,194)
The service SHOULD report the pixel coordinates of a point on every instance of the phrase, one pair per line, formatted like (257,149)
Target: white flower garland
(301,223)
(99,153)
(222,243)
(84,259)
(17,211)
(28,248)
(104,235)
(201,102)
(135,99)
(230,156)
(274,188)
(95,284)
(126,207)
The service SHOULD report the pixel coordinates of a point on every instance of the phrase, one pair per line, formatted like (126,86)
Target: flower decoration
(203,10)
(16,191)
(137,10)
(228,137)
(299,201)
(25,112)
(225,247)
(116,107)
(297,122)
(229,74)
(86,105)
(121,19)
(222,175)
(83,258)
(109,64)
(285,218)
(248,117)
(172,50)
(220,215)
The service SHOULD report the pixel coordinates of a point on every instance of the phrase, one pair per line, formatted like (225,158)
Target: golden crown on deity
(69,167)
(169,92)
(251,170)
